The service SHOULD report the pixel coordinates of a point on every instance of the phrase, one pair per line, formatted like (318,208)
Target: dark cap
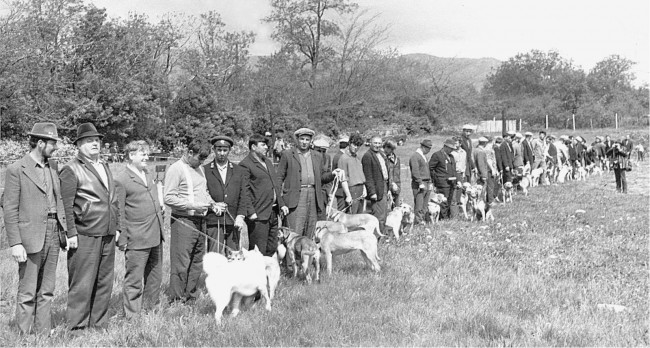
(426,143)
(86,130)
(222,140)
(451,143)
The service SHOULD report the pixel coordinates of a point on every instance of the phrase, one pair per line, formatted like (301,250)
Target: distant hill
(458,70)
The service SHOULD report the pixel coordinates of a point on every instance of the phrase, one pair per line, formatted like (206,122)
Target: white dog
(335,243)
(400,218)
(535,176)
(272,274)
(356,221)
(241,278)
(433,207)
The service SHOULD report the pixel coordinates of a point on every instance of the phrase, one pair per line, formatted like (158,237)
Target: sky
(583,31)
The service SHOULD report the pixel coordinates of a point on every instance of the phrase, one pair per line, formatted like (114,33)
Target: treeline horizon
(187,77)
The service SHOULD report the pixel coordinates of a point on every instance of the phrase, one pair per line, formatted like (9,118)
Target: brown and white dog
(304,249)
(335,243)
(400,218)
(356,221)
(433,207)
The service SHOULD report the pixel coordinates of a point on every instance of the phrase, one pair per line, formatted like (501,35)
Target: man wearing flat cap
(466,145)
(34,219)
(443,173)
(420,180)
(302,172)
(539,148)
(227,187)
(91,208)
(507,157)
(352,183)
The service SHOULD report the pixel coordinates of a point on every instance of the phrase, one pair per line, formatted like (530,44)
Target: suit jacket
(419,170)
(466,144)
(261,186)
(442,167)
(497,156)
(140,214)
(91,206)
(289,176)
(527,149)
(25,204)
(629,145)
(375,180)
(507,155)
(232,192)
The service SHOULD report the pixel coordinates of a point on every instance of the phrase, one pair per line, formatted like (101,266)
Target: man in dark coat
(227,187)
(420,180)
(302,172)
(466,144)
(527,149)
(507,157)
(265,194)
(91,209)
(375,169)
(34,217)
(141,220)
(442,168)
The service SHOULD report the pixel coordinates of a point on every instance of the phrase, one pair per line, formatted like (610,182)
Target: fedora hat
(86,130)
(426,143)
(451,143)
(45,130)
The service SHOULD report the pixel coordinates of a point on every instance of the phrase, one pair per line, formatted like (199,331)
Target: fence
(495,126)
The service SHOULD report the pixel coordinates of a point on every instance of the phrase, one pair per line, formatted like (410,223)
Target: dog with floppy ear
(433,207)
(304,249)
(400,217)
(356,221)
(335,243)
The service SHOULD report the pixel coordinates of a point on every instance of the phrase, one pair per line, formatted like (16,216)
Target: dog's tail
(212,261)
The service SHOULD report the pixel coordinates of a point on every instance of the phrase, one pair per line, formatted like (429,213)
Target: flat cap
(518,135)
(304,131)
(222,140)
(528,134)
(322,143)
(426,143)
(511,133)
(468,126)
(450,143)
(483,140)
(344,139)
(564,137)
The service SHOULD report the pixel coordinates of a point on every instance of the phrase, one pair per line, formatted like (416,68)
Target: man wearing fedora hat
(34,217)
(91,209)
(442,167)
(420,180)
(227,187)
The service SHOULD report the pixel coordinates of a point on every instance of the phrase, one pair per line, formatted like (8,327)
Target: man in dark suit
(527,149)
(264,193)
(420,180)
(91,210)
(442,167)
(375,169)
(302,172)
(507,157)
(227,188)
(466,144)
(34,216)
(141,220)
(627,142)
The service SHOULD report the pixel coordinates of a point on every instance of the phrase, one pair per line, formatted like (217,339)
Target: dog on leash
(535,176)
(433,207)
(507,192)
(525,183)
(301,248)
(356,221)
(400,218)
(237,278)
(464,198)
(335,243)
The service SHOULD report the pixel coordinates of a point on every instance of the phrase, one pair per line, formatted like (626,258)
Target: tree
(301,26)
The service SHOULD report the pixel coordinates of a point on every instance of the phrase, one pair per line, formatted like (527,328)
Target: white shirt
(223,171)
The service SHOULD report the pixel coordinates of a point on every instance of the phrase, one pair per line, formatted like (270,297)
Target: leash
(192,228)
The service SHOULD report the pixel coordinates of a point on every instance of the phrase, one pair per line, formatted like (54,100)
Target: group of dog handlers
(227,219)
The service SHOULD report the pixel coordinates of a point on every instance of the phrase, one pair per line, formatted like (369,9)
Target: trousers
(142,279)
(186,250)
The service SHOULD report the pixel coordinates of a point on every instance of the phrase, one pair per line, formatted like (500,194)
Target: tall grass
(533,277)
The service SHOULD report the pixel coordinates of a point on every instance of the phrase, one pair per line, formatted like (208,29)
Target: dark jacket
(91,207)
(442,166)
(466,144)
(394,171)
(289,176)
(25,204)
(619,156)
(140,215)
(527,149)
(375,181)
(497,156)
(232,192)
(507,155)
(261,184)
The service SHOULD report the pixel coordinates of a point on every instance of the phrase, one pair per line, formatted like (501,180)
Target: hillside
(458,70)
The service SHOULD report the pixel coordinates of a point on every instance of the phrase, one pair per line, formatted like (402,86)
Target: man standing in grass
(420,180)
(34,216)
(442,167)
(186,193)
(353,178)
(539,151)
(375,169)
(141,220)
(91,209)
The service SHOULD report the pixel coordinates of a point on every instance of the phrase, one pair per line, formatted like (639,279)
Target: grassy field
(534,277)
